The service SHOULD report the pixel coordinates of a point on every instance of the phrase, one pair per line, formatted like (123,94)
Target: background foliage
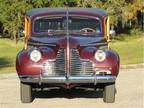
(123,13)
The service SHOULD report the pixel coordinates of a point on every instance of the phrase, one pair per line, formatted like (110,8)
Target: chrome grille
(60,68)
(78,67)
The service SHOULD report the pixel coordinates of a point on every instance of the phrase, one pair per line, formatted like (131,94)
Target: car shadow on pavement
(69,94)
(4,62)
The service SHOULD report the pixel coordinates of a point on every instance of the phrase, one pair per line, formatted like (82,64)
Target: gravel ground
(130,85)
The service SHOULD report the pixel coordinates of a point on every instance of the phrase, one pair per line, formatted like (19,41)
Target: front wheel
(25,93)
(109,93)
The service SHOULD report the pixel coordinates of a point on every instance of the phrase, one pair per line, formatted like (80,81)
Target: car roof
(37,11)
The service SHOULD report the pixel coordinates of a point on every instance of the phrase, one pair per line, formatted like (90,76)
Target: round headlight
(100,55)
(35,55)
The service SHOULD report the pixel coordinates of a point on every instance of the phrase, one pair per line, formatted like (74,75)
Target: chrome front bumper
(69,80)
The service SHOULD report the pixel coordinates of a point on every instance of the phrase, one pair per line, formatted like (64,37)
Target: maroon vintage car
(67,48)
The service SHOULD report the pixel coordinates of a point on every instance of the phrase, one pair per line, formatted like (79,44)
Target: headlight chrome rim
(100,55)
(35,55)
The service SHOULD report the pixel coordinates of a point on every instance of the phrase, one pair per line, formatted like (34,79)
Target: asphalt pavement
(130,93)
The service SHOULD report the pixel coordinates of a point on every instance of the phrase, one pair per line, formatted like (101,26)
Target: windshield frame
(67,24)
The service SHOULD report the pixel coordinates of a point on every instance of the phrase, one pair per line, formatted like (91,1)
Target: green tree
(12,13)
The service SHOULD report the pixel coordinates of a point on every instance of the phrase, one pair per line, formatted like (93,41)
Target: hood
(73,41)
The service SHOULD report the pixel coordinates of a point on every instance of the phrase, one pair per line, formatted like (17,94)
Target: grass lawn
(8,51)
(130,49)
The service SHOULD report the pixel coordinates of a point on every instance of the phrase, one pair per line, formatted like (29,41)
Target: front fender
(25,66)
(112,62)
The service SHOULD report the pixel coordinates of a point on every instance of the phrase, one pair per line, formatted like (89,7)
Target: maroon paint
(26,66)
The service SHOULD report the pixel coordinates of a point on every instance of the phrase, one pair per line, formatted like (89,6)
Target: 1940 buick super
(67,48)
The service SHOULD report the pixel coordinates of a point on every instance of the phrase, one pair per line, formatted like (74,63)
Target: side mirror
(112,32)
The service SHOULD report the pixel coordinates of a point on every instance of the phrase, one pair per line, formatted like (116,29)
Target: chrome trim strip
(95,44)
(40,44)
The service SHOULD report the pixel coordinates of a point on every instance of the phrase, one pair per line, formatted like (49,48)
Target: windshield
(59,24)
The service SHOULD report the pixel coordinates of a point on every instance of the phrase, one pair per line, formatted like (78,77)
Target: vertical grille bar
(60,68)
